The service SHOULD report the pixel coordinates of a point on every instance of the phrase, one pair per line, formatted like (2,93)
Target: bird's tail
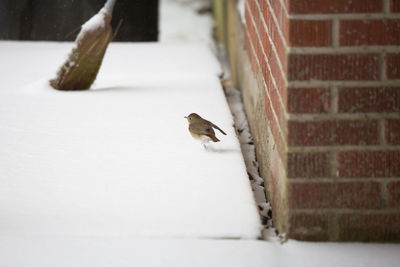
(214,138)
(219,129)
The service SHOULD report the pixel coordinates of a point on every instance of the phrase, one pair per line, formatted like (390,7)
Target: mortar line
(269,99)
(347,211)
(384,193)
(381,129)
(342,116)
(335,33)
(282,71)
(334,99)
(344,148)
(284,8)
(272,12)
(334,226)
(343,180)
(321,83)
(281,102)
(352,16)
(383,66)
(386,6)
(309,50)
(334,165)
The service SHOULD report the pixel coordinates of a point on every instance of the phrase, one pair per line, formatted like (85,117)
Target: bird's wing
(216,127)
(201,128)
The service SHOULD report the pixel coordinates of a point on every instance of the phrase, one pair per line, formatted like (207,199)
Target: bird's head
(192,117)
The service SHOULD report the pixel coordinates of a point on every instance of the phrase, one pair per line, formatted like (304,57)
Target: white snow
(181,22)
(241,6)
(98,21)
(119,160)
(247,146)
(109,7)
(93,24)
(89,179)
(62,251)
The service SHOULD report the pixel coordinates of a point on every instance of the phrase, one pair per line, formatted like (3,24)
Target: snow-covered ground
(111,177)
(67,251)
(118,159)
(186,21)
(235,101)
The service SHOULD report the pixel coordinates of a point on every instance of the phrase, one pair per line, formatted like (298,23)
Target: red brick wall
(331,75)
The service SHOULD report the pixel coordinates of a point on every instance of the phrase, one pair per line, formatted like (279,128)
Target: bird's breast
(200,137)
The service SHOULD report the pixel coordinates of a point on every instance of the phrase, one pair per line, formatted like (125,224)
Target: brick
(274,58)
(308,165)
(272,92)
(252,5)
(263,9)
(335,195)
(273,124)
(273,195)
(259,25)
(369,32)
(369,227)
(368,164)
(392,132)
(279,78)
(251,27)
(334,67)
(278,202)
(281,16)
(393,66)
(311,227)
(353,100)
(393,190)
(260,35)
(253,42)
(310,33)
(265,41)
(329,133)
(273,33)
(395,6)
(278,107)
(279,44)
(334,6)
(308,100)
(276,88)
(250,53)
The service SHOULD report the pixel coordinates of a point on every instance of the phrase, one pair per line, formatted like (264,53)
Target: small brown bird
(202,129)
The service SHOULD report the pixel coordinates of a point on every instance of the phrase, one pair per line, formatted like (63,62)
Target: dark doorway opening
(55,20)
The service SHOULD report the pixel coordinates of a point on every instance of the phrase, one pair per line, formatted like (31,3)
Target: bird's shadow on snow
(222,150)
(116,89)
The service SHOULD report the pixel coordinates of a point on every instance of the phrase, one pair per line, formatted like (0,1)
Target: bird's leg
(204,141)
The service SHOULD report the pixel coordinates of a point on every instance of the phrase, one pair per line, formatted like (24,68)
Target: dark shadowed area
(60,20)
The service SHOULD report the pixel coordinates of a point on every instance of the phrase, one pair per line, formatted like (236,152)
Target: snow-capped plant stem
(109,6)
(82,66)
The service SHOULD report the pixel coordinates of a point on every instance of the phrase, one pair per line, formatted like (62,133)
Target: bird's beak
(185,117)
